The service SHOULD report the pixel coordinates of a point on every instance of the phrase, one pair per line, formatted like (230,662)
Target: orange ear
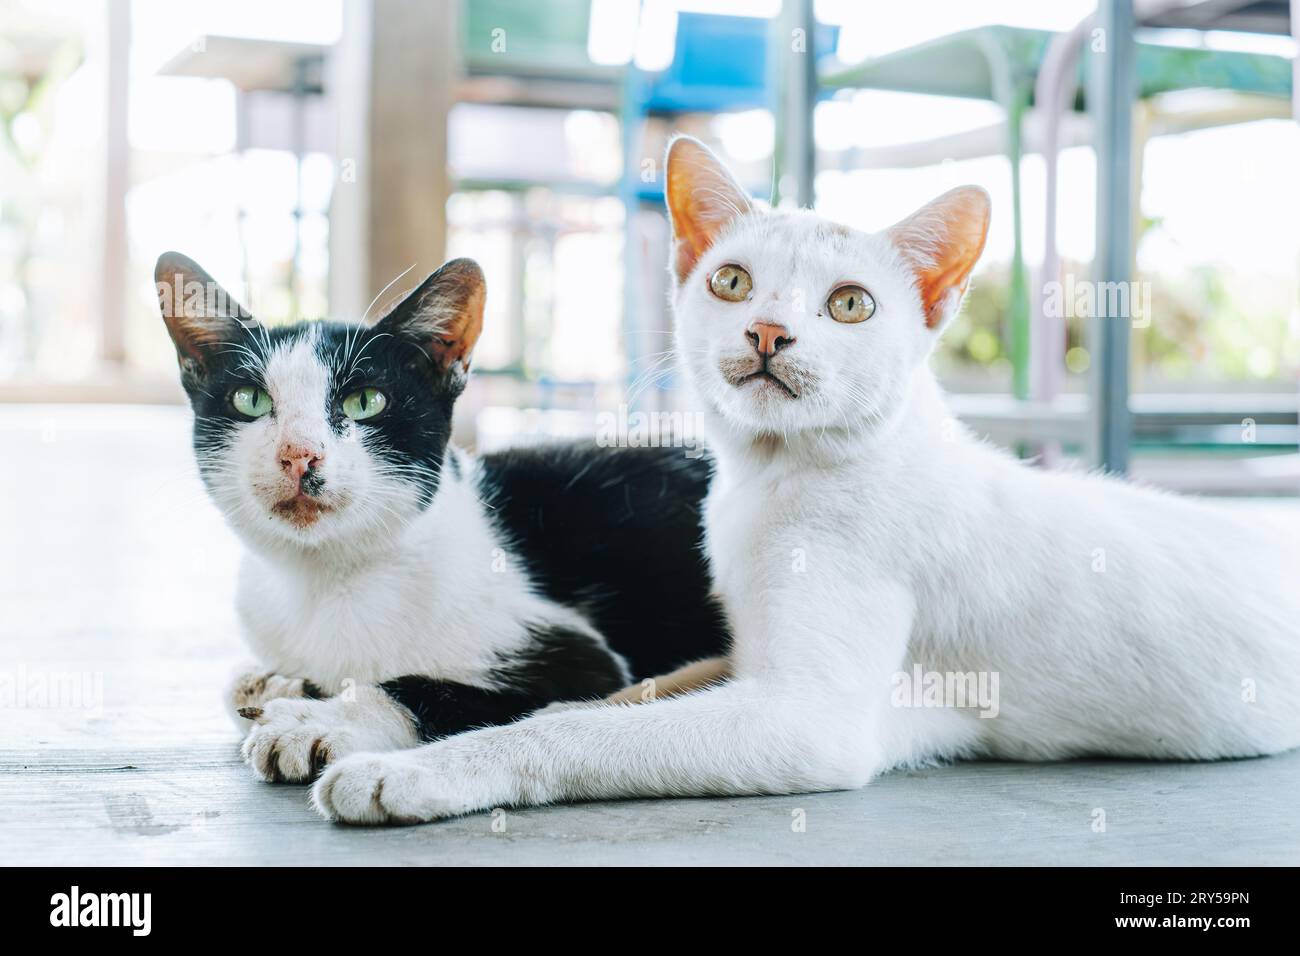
(944,240)
(444,315)
(703,198)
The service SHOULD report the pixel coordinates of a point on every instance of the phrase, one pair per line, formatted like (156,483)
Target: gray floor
(114,566)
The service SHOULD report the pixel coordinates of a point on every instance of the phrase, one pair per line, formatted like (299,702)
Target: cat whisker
(397,278)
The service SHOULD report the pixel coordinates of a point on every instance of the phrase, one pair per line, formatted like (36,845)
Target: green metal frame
(1000,64)
(544,38)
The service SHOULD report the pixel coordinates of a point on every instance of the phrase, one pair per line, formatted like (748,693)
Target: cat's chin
(302,522)
(301,511)
(759,403)
(747,416)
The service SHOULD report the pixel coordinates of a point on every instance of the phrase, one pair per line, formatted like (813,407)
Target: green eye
(364,403)
(251,401)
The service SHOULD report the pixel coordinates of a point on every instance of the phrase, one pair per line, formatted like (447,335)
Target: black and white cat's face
(321,432)
(786,321)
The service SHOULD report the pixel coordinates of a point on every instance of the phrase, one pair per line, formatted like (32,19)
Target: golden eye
(731,283)
(851,303)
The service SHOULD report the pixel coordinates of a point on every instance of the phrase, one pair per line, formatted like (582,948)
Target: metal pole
(113,257)
(1295,64)
(794,62)
(1012,90)
(1113,88)
(1054,90)
(632,96)
(1020,338)
(299,149)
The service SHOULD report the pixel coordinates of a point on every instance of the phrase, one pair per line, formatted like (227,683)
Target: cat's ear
(444,315)
(200,315)
(943,241)
(703,198)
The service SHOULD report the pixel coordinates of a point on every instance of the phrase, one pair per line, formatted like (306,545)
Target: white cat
(861,538)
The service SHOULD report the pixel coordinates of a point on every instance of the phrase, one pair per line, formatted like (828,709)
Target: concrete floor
(116,567)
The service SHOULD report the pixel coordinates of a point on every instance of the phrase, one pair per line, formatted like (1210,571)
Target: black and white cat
(396,589)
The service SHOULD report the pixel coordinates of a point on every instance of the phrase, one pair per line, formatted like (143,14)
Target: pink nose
(296,459)
(768,338)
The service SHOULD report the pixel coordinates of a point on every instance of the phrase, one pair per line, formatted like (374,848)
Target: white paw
(413,786)
(292,740)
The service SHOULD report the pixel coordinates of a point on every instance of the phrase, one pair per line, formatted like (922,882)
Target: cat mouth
(768,377)
(301,510)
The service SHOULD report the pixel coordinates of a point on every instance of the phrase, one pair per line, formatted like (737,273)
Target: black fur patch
(410,435)
(616,533)
(562,664)
(558,664)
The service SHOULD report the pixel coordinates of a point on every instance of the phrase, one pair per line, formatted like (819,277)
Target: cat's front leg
(293,738)
(804,714)
(742,738)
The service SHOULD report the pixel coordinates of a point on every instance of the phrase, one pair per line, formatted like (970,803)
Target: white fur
(857,530)
(293,738)
(437,598)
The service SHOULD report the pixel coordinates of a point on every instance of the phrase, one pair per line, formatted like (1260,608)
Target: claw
(320,756)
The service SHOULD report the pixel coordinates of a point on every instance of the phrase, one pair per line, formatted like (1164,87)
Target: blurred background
(318,157)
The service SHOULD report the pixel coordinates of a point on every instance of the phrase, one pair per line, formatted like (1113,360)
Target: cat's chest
(319,633)
(764,527)
(368,628)
(748,525)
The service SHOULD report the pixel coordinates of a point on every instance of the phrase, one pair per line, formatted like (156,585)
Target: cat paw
(293,740)
(253,690)
(394,788)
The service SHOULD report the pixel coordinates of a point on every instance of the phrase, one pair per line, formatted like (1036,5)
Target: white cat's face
(786,321)
(778,360)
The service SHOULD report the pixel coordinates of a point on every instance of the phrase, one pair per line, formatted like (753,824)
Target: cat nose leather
(768,338)
(297,460)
